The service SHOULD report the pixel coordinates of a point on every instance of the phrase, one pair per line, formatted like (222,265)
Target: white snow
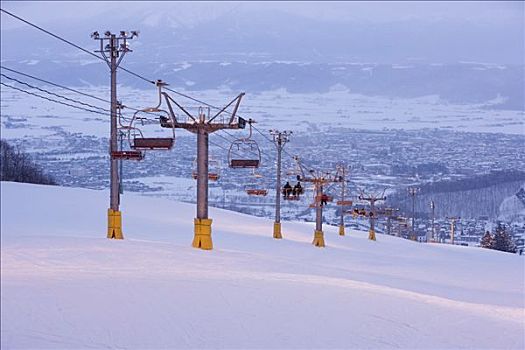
(346,109)
(64,285)
(182,66)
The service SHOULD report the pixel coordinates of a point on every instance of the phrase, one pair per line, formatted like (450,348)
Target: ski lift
(326,198)
(322,198)
(136,138)
(127,155)
(244,152)
(292,194)
(256,192)
(213,170)
(254,189)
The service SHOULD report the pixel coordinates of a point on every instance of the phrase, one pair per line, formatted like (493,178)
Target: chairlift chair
(256,192)
(328,198)
(127,155)
(254,188)
(244,152)
(213,174)
(291,196)
(137,140)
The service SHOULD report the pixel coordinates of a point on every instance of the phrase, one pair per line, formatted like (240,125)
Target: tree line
(475,182)
(500,240)
(17,166)
(472,197)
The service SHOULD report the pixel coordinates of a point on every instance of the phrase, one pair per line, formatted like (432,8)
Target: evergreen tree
(487,241)
(503,241)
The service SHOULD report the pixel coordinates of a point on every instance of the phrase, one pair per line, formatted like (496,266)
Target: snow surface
(298,111)
(64,285)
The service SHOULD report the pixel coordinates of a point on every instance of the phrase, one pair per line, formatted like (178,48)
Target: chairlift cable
(52,100)
(122,68)
(58,37)
(54,84)
(72,90)
(54,94)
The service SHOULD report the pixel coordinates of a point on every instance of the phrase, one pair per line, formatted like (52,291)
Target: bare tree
(18,166)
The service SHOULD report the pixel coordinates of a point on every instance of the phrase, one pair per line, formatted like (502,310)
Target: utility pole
(453,220)
(343,203)
(433,207)
(372,199)
(413,191)
(202,124)
(280,139)
(113,52)
(390,214)
(121,163)
(319,179)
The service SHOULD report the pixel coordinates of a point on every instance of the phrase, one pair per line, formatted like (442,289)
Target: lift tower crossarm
(238,99)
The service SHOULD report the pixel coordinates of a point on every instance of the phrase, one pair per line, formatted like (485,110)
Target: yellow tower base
(202,237)
(371,235)
(341,230)
(277,230)
(318,239)
(114,224)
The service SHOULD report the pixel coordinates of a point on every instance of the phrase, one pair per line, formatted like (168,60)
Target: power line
(272,142)
(94,55)
(126,70)
(71,43)
(120,67)
(49,33)
(52,100)
(73,90)
(54,84)
(53,94)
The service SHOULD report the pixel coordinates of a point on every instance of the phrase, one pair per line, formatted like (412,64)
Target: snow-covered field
(64,285)
(337,108)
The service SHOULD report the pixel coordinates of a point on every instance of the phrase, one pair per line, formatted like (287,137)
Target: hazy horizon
(392,32)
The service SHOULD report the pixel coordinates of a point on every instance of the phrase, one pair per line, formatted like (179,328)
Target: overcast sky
(435,31)
(482,11)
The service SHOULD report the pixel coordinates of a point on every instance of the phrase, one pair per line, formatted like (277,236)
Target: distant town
(390,160)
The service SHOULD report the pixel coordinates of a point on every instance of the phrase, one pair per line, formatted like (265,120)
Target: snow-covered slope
(64,285)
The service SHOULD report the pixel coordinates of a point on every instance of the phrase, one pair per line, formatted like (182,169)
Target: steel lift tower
(372,199)
(319,179)
(202,125)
